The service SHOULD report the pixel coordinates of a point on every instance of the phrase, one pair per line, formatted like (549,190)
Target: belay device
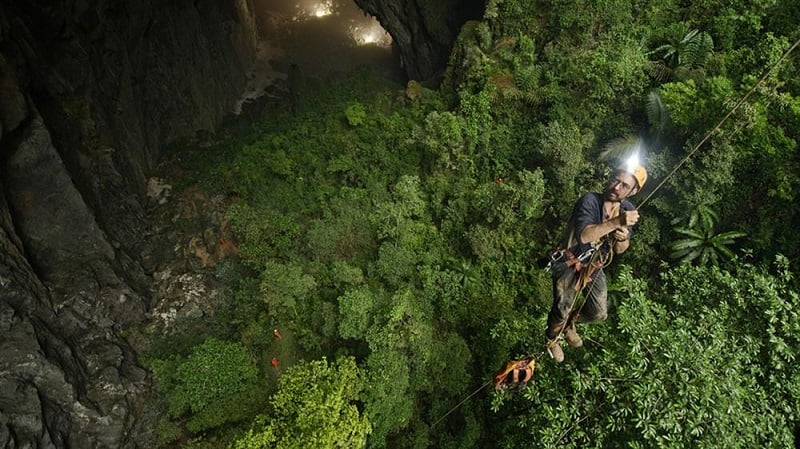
(514,374)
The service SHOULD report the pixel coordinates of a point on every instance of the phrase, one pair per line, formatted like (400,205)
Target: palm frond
(730,236)
(685,244)
(706,218)
(527,78)
(689,232)
(700,244)
(617,148)
(658,71)
(690,256)
(725,251)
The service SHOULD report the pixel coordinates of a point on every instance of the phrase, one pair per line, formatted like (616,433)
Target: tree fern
(684,55)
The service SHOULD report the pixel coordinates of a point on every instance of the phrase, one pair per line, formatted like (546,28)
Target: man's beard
(611,196)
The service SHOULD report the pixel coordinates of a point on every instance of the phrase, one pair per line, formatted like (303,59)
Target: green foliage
(266,234)
(315,406)
(587,63)
(292,296)
(356,308)
(214,370)
(510,17)
(356,114)
(694,110)
(680,366)
(657,115)
(442,138)
(285,288)
(701,243)
(344,232)
(215,385)
(167,431)
(732,23)
(476,110)
(408,358)
(407,204)
(406,233)
(752,145)
(712,378)
(563,145)
(388,402)
(407,236)
(686,52)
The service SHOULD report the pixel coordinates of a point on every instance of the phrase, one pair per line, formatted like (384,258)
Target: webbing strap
(573,261)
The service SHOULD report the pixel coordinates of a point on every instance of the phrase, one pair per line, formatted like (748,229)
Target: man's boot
(571,335)
(555,351)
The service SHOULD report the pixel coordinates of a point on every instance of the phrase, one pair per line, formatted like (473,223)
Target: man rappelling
(600,227)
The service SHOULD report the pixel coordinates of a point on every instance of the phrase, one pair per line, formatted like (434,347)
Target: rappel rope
(477,390)
(609,256)
(533,358)
(580,296)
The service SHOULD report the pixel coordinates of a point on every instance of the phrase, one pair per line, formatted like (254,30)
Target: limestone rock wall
(423,30)
(90,90)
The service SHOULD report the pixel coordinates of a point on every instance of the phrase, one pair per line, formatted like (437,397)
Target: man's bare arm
(594,232)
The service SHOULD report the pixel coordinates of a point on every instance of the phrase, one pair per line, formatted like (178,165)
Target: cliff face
(89,92)
(423,30)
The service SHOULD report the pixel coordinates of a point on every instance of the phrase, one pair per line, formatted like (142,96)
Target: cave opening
(321,38)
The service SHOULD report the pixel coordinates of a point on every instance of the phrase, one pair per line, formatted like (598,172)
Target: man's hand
(620,239)
(620,234)
(628,218)
(595,232)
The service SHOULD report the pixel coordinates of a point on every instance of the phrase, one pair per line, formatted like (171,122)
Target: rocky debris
(158,190)
(195,227)
(262,75)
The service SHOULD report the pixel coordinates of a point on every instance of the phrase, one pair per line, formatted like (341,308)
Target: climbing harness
(559,254)
(600,256)
(597,257)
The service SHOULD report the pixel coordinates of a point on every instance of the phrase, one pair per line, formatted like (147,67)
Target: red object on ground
(277,334)
(229,246)
(275,363)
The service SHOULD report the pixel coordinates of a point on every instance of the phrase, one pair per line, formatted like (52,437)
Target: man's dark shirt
(587,211)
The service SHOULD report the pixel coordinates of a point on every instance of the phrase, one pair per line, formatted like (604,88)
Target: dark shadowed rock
(423,30)
(89,93)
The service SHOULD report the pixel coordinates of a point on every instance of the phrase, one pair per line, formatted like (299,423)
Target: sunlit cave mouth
(344,14)
(322,39)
